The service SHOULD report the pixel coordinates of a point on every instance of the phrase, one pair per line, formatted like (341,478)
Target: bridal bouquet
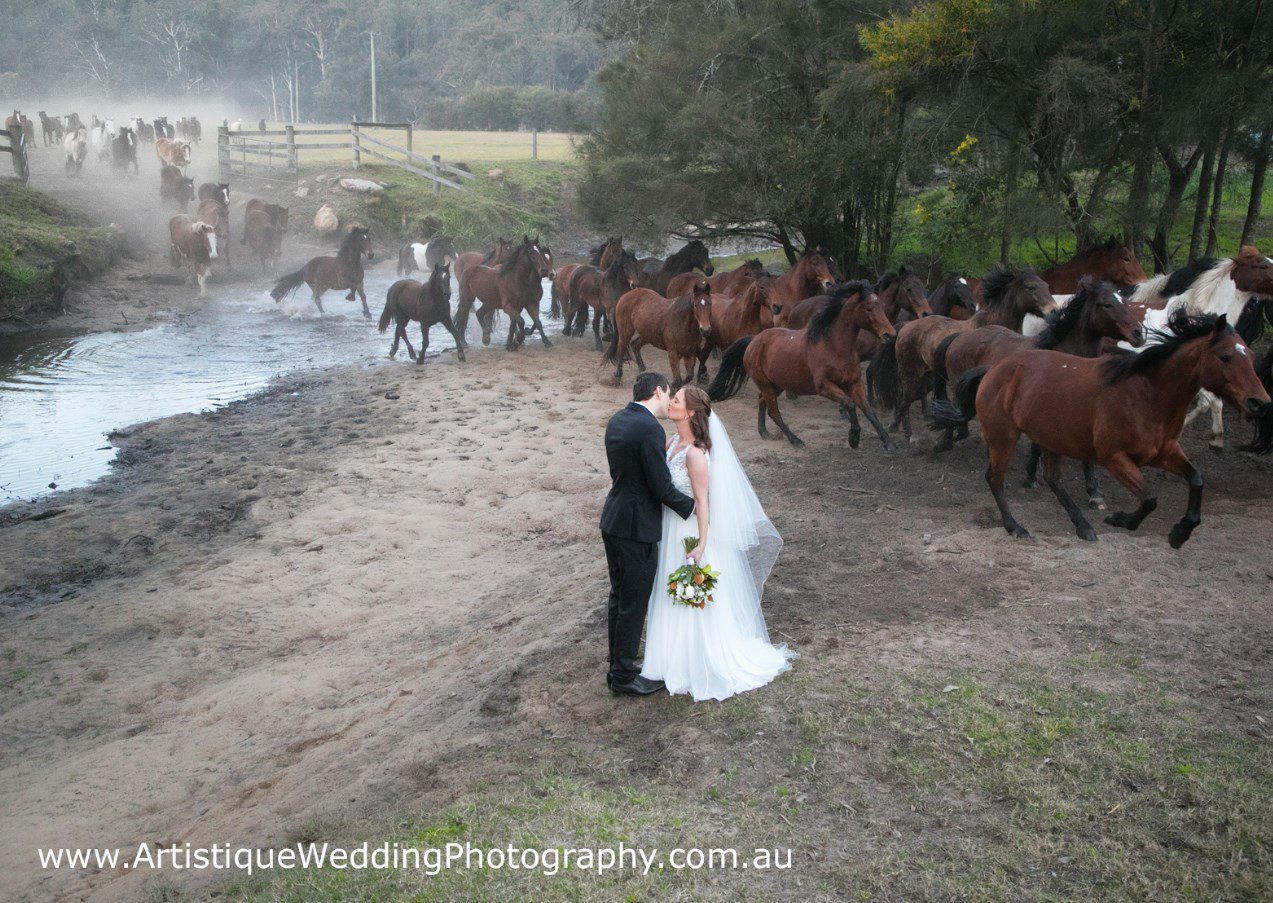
(692,584)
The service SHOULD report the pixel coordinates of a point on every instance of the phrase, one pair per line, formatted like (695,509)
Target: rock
(495,175)
(365,186)
(302,191)
(326,221)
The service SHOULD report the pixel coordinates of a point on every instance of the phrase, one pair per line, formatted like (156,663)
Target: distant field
(452,146)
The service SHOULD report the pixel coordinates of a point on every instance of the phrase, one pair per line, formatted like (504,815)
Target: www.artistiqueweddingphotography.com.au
(596,450)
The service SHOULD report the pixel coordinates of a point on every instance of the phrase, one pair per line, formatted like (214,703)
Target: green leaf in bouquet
(690,543)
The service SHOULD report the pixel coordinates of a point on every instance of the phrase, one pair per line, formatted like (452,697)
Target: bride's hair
(699,407)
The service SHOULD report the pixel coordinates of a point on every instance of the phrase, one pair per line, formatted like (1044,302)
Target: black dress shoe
(637,686)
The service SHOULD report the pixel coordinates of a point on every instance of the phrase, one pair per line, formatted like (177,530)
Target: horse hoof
(547,344)
(1118,519)
(1086,533)
(1096,503)
(1179,535)
(798,443)
(1019,532)
(1217,447)
(944,445)
(890,447)
(855,439)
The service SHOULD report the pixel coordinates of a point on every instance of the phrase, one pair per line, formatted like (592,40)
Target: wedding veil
(739,524)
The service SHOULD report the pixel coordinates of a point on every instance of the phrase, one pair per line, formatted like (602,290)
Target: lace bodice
(680,472)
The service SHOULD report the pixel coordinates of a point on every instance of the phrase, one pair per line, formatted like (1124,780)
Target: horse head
(701,306)
(959,294)
(546,268)
(626,270)
(1106,313)
(869,313)
(1253,272)
(1120,265)
(908,292)
(1022,290)
(359,238)
(700,257)
(440,282)
(1228,368)
(816,266)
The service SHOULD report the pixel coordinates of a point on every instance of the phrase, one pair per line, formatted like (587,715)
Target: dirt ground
(370,589)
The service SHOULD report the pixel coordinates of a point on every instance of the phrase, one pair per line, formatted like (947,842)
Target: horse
(514,287)
(592,287)
(600,257)
(75,144)
(145,131)
(424,257)
(194,243)
(814,273)
(212,211)
(821,360)
(215,191)
(263,238)
(494,257)
(902,368)
(953,298)
(1123,411)
(99,140)
(428,304)
(195,129)
(164,129)
(28,130)
(50,129)
(278,214)
(1111,261)
(73,122)
(1094,317)
(344,271)
(124,151)
(729,283)
(656,274)
(175,187)
(732,318)
(902,294)
(678,326)
(172,153)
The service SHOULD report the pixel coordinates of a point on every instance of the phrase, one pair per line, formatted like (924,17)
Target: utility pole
(373,76)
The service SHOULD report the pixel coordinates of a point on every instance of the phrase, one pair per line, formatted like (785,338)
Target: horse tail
(287,284)
(884,378)
(945,415)
(732,374)
(462,310)
(939,366)
(387,314)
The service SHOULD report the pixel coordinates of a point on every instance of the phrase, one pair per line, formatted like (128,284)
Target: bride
(723,648)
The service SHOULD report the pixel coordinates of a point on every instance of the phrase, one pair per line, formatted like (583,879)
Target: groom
(632,522)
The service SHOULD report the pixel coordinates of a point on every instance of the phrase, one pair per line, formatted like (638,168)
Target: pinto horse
(592,287)
(513,288)
(818,360)
(656,274)
(172,153)
(211,211)
(814,273)
(1111,261)
(1123,411)
(730,283)
(678,326)
(424,256)
(428,304)
(902,368)
(344,271)
(193,243)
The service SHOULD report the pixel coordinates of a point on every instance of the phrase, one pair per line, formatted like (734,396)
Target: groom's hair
(646,383)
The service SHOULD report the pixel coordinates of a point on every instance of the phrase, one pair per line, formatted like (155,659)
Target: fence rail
(235,147)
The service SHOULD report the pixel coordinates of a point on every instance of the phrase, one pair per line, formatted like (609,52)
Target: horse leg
(635,347)
(702,363)
(1032,467)
(1217,421)
(397,333)
(318,299)
(856,398)
(1001,442)
(509,343)
(675,360)
(1094,497)
(539,324)
(362,295)
(1124,469)
(1052,476)
(849,412)
(424,341)
(1174,461)
(760,420)
(596,329)
(769,397)
(450,327)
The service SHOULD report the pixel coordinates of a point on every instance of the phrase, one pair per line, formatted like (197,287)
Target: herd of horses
(103,139)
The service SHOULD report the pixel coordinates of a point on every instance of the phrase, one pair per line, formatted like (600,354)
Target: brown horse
(427,304)
(172,153)
(492,258)
(263,238)
(818,360)
(656,274)
(192,243)
(175,187)
(814,273)
(1123,411)
(954,298)
(678,326)
(1112,262)
(218,214)
(729,283)
(592,287)
(513,288)
(278,214)
(901,369)
(902,294)
(344,271)
(600,257)
(732,318)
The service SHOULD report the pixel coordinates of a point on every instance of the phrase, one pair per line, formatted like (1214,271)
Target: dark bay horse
(592,287)
(902,294)
(678,326)
(732,318)
(728,283)
(1123,411)
(1111,261)
(953,298)
(263,238)
(600,257)
(513,288)
(901,370)
(656,274)
(124,151)
(818,360)
(427,304)
(344,271)
(814,273)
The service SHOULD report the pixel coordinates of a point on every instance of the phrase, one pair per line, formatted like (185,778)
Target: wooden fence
(256,154)
(17,150)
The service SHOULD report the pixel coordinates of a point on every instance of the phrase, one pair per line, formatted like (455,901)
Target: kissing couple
(697,483)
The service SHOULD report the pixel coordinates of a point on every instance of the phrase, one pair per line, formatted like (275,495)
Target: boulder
(326,221)
(365,186)
(495,175)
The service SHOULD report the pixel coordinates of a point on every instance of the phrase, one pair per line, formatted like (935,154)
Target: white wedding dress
(721,649)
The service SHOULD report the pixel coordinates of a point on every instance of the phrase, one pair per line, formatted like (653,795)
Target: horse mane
(886,281)
(510,265)
(594,254)
(616,265)
(683,255)
(833,306)
(1181,280)
(1213,291)
(1181,329)
(1064,320)
(1249,325)
(682,306)
(347,245)
(994,288)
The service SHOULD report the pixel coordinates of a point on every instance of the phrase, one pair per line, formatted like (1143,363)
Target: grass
(1012,785)
(452,146)
(43,245)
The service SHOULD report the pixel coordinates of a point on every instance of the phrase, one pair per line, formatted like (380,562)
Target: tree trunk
(1178,176)
(1258,167)
(1217,188)
(1137,214)
(1197,234)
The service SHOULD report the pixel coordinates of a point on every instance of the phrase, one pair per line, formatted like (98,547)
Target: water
(60,395)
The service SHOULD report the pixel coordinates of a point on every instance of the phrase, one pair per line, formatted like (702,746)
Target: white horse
(76,146)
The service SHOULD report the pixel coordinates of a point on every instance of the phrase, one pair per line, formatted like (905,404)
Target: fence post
(293,163)
(437,171)
(356,144)
(409,146)
(534,144)
(223,152)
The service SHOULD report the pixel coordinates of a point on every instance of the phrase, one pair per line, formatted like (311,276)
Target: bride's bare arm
(696,464)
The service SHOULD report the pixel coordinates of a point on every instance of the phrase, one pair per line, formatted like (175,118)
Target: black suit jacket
(642,483)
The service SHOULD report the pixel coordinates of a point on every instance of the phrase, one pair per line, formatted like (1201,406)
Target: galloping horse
(175,187)
(172,153)
(815,272)
(656,274)
(901,369)
(901,293)
(425,256)
(212,211)
(678,326)
(344,271)
(818,360)
(515,287)
(494,257)
(600,290)
(1123,411)
(124,151)
(50,128)
(732,318)
(428,304)
(75,144)
(215,191)
(729,283)
(1112,262)
(194,243)
(264,237)
(600,257)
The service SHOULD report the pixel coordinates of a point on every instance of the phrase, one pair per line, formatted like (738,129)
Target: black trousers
(632,566)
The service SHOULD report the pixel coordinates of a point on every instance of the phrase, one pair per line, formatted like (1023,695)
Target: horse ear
(1222,323)
(903,271)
